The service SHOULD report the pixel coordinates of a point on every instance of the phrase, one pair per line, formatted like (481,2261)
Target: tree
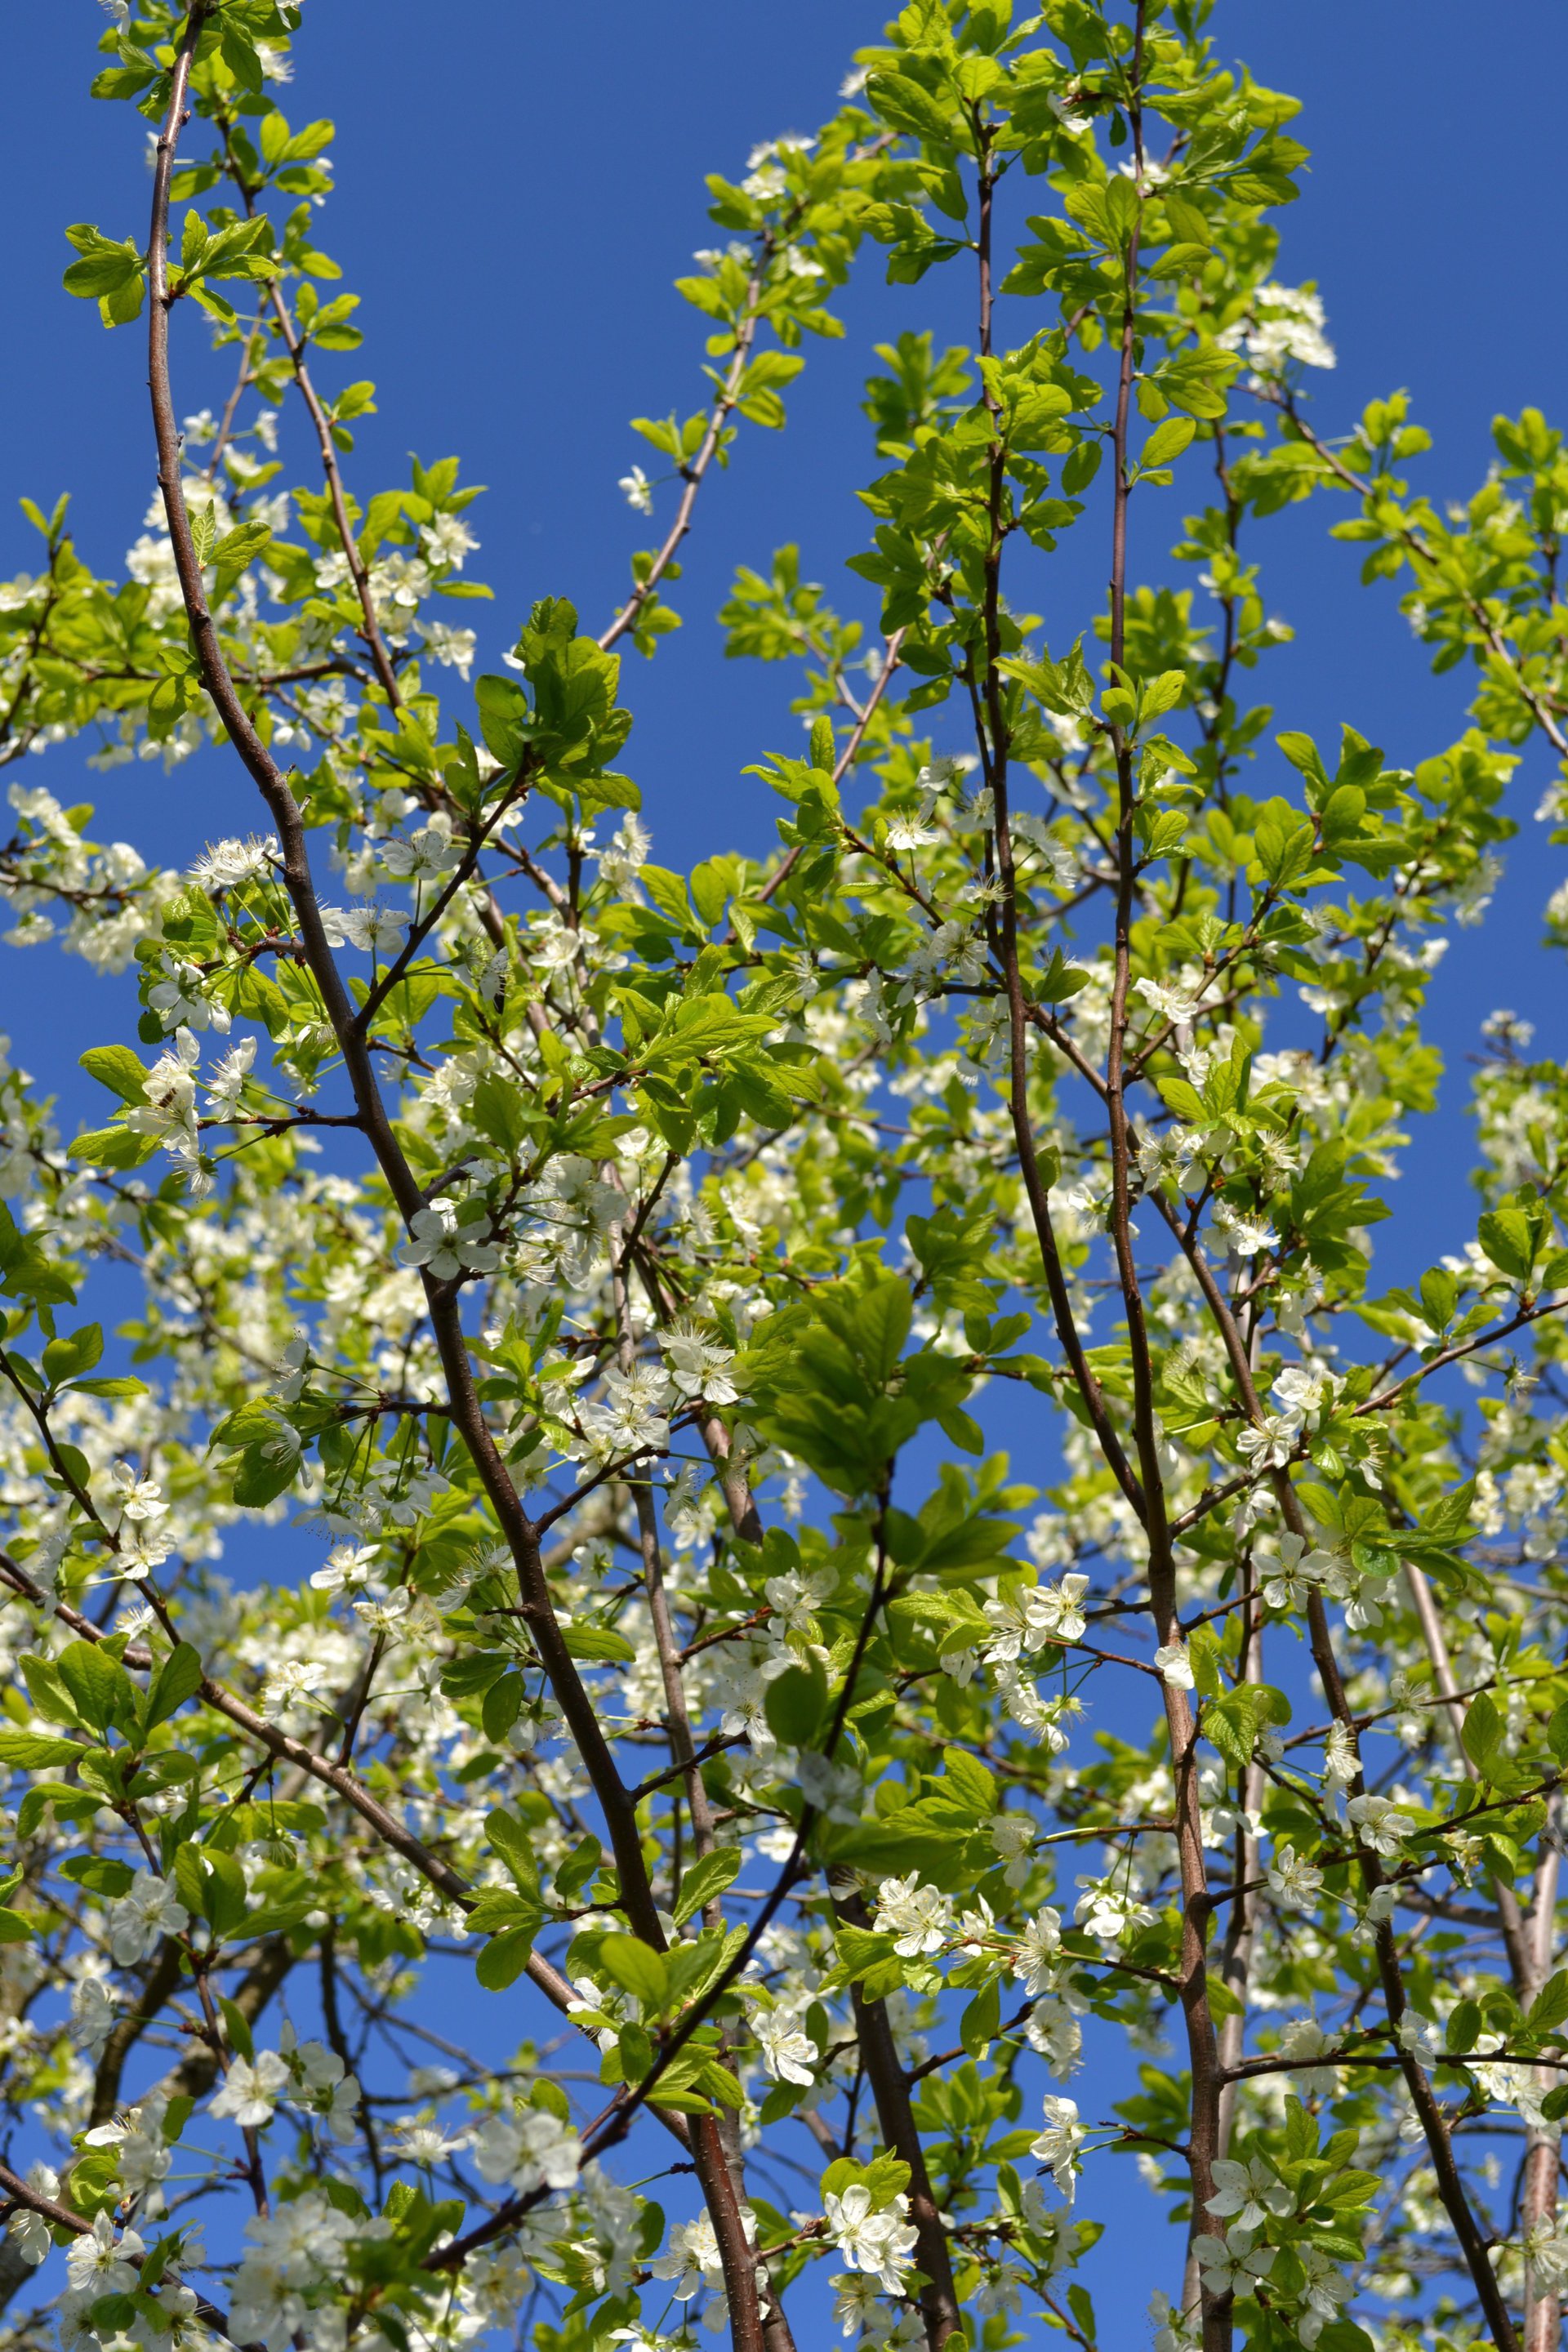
(627,1272)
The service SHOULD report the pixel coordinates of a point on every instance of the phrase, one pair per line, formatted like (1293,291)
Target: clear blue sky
(520,183)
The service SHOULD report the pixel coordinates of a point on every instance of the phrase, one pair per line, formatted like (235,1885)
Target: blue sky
(520,183)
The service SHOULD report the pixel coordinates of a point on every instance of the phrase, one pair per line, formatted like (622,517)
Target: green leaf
(35,1751)
(1463,2028)
(1167,442)
(795,1703)
(234,553)
(503,717)
(178,1679)
(1507,1239)
(1483,1730)
(601,1642)
(981,2017)
(705,1880)
(578,1868)
(211,1885)
(113,1147)
(668,892)
(1549,2007)
(500,1111)
(968,1784)
(64,1358)
(501,1705)
(100,1872)
(237,2027)
(263,1472)
(99,1688)
(638,1969)
(908,106)
(118,1069)
(514,1844)
(505,1957)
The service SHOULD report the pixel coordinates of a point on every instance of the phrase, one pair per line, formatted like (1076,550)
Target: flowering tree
(628,1273)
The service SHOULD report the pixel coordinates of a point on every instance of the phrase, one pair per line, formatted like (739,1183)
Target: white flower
(249,2092)
(1056,2033)
(1057,2146)
(102,2263)
(828,1787)
(453,648)
(1270,1444)
(691,2259)
(1034,1960)
(530,2150)
(138,1921)
(912,828)
(300,2244)
(1283,324)
(349,1569)
(1293,1880)
(425,2144)
(132,1497)
(1250,2191)
(1300,1389)
(1379,1823)
(1053,1612)
(422,856)
(447,540)
(1326,2289)
(169,1091)
(1175,1665)
(28,2232)
(1108,1910)
(624,855)
(1286,1587)
(1302,2039)
(1230,2261)
(290,1680)
(1012,1838)
(228,1080)
(179,1002)
(1170,1003)
(385,1615)
(918,1916)
(637,489)
(226,864)
(1169,2334)
(696,1363)
(448,1243)
(858,2301)
(1244,1237)
(1340,1763)
(92,2014)
(789,2055)
(29,2235)
(377,930)
(879,2241)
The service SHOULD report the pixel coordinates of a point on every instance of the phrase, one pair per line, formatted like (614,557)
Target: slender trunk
(1241,1933)
(891,2092)
(468,1416)
(1543,2305)
(722,2141)
(1450,2186)
(874,2033)
(1529,1945)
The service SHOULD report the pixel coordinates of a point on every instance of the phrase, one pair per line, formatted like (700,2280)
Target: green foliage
(686,1669)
